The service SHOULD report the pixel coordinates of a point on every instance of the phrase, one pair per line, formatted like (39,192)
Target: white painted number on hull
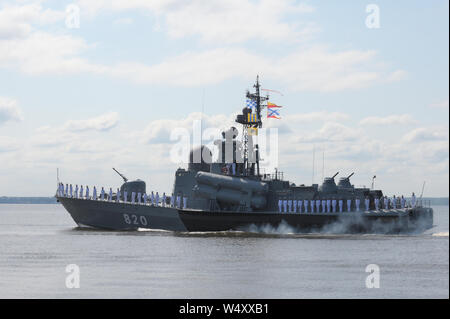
(135,220)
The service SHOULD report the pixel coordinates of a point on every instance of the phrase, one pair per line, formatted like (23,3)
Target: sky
(90,85)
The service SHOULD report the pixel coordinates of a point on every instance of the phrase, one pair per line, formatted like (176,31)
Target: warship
(232,193)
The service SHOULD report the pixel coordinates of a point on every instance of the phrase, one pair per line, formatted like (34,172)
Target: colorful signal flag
(273,110)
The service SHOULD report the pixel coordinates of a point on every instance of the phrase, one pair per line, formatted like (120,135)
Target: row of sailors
(332,205)
(136,198)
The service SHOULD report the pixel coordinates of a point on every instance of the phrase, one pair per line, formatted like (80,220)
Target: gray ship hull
(121,216)
(127,216)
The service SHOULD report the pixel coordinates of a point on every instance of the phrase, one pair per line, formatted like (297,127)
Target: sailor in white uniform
(172,199)
(289,206)
(152,197)
(328,205)
(94,193)
(70,191)
(394,202)
(413,200)
(87,192)
(118,195)
(233,168)
(125,196)
(300,204)
(366,202)
(295,205)
(178,201)
(102,194)
(184,202)
(386,202)
(377,203)
(333,204)
(157,199)
(324,205)
(144,198)
(164,199)
(81,191)
(306,204)
(349,205)
(280,205)
(312,202)
(341,205)
(76,191)
(317,205)
(402,202)
(357,204)
(139,197)
(133,197)
(285,205)
(110,195)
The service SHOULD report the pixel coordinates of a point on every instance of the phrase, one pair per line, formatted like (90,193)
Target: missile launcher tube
(231,196)
(237,183)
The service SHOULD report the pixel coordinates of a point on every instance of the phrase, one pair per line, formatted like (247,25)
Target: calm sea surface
(37,242)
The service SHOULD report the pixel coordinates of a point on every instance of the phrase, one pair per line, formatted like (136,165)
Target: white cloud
(331,132)
(45,53)
(8,144)
(423,134)
(397,76)
(314,69)
(9,110)
(75,135)
(223,21)
(103,122)
(289,122)
(440,105)
(401,119)
(16,21)
(159,131)
(318,116)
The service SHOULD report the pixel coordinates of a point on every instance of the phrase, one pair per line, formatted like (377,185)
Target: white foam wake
(441,234)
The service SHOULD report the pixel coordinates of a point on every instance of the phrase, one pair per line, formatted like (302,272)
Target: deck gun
(124,178)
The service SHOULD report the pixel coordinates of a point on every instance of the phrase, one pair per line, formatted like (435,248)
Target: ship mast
(252,121)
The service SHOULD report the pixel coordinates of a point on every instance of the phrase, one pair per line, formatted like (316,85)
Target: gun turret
(344,182)
(335,175)
(124,178)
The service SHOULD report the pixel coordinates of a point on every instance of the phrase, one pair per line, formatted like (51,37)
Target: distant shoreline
(27,200)
(436,201)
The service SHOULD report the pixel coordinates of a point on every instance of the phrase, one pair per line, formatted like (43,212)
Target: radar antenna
(124,178)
